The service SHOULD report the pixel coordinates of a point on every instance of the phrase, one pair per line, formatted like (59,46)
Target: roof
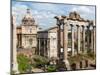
(46,30)
(18,27)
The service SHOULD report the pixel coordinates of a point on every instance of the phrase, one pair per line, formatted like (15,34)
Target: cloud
(19,10)
(85,11)
(44,13)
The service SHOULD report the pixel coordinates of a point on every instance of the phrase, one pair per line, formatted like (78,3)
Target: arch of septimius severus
(54,42)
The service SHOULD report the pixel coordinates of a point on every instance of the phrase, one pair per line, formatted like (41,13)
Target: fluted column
(83,38)
(94,39)
(72,48)
(78,35)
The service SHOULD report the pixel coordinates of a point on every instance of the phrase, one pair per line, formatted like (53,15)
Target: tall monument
(14,51)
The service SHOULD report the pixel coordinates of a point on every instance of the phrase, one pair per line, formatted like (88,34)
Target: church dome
(28,18)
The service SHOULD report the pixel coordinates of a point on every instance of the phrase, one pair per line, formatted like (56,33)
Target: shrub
(91,55)
(51,68)
(39,61)
(23,63)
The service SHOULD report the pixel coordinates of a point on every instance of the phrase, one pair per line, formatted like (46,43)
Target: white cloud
(19,10)
(85,11)
(44,13)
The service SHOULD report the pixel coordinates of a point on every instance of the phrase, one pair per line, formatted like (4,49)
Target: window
(30,30)
(30,41)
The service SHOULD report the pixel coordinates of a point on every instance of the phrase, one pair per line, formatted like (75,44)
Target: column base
(15,68)
(73,54)
(79,52)
(67,64)
(77,66)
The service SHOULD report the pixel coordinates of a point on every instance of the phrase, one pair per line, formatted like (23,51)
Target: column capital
(83,26)
(58,20)
(71,25)
(58,23)
(65,22)
(56,17)
(94,26)
(88,27)
(78,25)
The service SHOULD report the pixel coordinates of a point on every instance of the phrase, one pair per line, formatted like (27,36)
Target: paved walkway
(37,70)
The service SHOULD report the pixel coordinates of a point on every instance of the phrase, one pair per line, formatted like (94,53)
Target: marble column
(58,18)
(66,46)
(78,35)
(39,45)
(65,40)
(44,47)
(59,40)
(20,40)
(77,66)
(48,47)
(88,39)
(83,38)
(83,64)
(14,61)
(94,39)
(17,40)
(72,47)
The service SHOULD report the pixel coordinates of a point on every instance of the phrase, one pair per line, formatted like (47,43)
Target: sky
(44,13)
